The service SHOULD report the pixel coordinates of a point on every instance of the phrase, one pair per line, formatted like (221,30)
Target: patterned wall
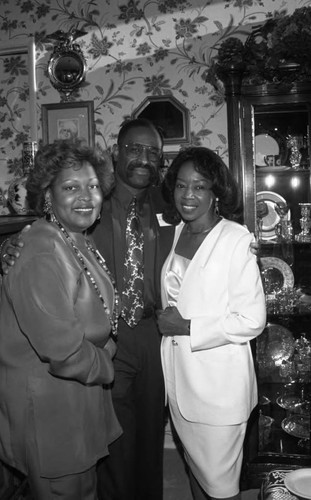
(133,49)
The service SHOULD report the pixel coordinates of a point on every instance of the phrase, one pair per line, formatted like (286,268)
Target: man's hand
(171,323)
(11,250)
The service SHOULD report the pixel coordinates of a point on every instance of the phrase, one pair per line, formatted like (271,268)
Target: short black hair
(135,123)
(210,165)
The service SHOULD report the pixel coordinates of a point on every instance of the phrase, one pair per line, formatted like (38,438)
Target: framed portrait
(68,120)
(169,115)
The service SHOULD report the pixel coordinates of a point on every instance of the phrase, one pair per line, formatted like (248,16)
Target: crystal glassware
(305,223)
(295,155)
(261,212)
(284,227)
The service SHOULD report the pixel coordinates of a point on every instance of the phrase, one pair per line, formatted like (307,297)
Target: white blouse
(175,276)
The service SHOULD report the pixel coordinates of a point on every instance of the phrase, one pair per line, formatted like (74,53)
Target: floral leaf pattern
(133,48)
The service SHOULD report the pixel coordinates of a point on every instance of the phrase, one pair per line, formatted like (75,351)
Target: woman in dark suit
(59,310)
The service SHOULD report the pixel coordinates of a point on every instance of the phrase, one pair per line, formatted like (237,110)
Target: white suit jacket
(222,294)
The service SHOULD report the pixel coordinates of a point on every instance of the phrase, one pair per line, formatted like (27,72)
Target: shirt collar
(124,195)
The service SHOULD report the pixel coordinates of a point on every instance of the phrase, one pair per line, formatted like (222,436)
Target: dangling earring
(47,207)
(216,209)
(48,210)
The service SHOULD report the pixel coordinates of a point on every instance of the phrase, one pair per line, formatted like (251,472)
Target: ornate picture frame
(68,120)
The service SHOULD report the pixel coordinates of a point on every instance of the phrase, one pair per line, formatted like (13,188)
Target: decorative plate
(299,482)
(265,145)
(297,426)
(279,344)
(270,148)
(270,221)
(276,273)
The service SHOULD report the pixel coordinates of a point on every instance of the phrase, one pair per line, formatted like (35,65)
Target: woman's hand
(171,323)
(111,347)
(10,250)
(255,248)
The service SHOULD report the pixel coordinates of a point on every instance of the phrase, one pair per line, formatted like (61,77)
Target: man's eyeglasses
(135,150)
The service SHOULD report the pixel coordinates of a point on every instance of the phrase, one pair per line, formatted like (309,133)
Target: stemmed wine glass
(284,232)
(261,212)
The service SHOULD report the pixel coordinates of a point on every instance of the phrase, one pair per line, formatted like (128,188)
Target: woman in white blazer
(213,305)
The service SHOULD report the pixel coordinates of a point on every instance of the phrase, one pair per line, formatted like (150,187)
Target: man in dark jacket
(133,471)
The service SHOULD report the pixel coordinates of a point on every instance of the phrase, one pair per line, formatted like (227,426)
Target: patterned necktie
(133,279)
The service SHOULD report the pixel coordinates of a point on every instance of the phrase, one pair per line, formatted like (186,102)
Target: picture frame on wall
(169,115)
(68,120)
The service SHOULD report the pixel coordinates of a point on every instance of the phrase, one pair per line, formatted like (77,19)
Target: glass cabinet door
(281,154)
(270,156)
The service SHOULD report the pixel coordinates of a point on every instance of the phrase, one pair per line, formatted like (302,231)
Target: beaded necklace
(113,318)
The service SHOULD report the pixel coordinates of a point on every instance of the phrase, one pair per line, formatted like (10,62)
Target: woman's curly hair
(211,166)
(52,158)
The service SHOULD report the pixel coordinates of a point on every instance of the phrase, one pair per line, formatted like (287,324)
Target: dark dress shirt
(110,238)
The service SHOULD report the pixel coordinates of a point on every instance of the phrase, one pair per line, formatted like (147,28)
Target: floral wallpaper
(133,49)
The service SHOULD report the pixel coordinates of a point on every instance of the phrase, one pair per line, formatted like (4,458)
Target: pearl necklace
(113,318)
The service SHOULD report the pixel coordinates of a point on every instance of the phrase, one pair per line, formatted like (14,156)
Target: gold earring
(216,207)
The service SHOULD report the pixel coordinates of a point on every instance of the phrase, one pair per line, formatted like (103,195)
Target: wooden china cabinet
(269,153)
(10,224)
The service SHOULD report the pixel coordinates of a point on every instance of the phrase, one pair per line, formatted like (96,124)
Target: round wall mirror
(66,68)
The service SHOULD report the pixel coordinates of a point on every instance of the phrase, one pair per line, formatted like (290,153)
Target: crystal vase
(295,155)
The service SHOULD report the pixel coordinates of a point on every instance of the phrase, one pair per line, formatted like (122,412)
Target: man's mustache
(153,171)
